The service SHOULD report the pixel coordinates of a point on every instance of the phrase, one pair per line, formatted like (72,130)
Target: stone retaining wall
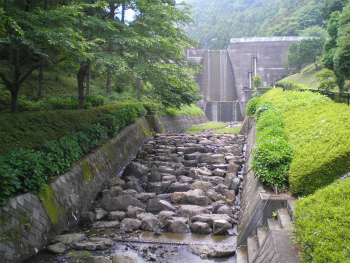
(29,221)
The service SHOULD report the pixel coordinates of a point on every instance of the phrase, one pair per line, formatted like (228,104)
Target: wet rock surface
(177,184)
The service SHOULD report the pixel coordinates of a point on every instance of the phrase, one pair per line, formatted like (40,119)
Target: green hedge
(291,85)
(322,224)
(28,170)
(29,130)
(320,132)
(272,153)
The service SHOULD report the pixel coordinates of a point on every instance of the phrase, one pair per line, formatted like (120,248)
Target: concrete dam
(226,80)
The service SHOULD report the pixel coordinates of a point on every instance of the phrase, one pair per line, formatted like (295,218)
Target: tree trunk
(139,89)
(109,82)
(40,82)
(123,12)
(87,80)
(14,100)
(84,67)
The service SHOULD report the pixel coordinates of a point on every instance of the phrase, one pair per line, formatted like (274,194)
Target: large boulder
(135,169)
(94,244)
(191,210)
(156,205)
(165,217)
(178,187)
(177,226)
(149,222)
(127,257)
(212,251)
(220,227)
(130,224)
(200,228)
(119,203)
(210,218)
(204,186)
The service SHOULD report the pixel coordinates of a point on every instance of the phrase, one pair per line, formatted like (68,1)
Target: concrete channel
(177,201)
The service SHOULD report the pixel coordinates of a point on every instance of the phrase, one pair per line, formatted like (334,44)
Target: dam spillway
(226,80)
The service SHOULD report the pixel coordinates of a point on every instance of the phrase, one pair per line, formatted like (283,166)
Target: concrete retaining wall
(29,221)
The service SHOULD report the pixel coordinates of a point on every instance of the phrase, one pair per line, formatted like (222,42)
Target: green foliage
(208,126)
(291,85)
(252,106)
(28,170)
(273,153)
(257,81)
(319,132)
(255,18)
(321,223)
(232,130)
(327,79)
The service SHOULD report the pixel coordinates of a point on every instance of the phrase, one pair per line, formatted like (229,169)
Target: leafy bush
(291,85)
(252,106)
(154,108)
(96,101)
(319,131)
(27,170)
(322,224)
(272,154)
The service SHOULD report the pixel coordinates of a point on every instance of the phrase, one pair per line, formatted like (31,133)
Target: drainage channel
(177,201)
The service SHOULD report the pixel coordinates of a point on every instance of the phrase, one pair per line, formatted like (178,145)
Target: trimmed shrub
(272,154)
(319,131)
(252,106)
(322,224)
(291,85)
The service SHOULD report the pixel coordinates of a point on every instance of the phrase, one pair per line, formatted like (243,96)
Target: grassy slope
(306,76)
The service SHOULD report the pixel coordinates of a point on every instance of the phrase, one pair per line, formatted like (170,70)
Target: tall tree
(26,44)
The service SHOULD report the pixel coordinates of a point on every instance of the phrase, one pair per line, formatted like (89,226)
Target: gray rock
(154,176)
(130,224)
(182,170)
(178,187)
(116,216)
(135,169)
(191,156)
(179,197)
(144,197)
(105,224)
(233,168)
(220,227)
(149,222)
(68,239)
(134,211)
(116,182)
(235,184)
(100,214)
(178,226)
(166,170)
(156,205)
(215,180)
(221,189)
(219,172)
(217,205)
(184,179)
(200,228)
(212,251)
(166,197)
(119,203)
(209,158)
(87,217)
(112,192)
(212,194)
(191,210)
(94,244)
(209,219)
(204,186)
(131,192)
(57,248)
(134,184)
(158,187)
(165,217)
(170,178)
(197,197)
(93,259)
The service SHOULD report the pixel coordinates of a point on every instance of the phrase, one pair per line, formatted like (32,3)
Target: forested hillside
(219,20)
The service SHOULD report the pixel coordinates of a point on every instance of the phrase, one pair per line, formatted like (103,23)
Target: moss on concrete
(146,131)
(87,171)
(52,207)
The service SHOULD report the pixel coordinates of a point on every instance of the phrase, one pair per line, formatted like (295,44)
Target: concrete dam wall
(226,80)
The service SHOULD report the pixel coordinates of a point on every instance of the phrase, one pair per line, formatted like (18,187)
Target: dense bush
(319,130)
(252,106)
(272,153)
(322,224)
(291,85)
(27,170)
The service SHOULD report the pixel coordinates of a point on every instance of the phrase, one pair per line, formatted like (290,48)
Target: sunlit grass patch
(208,126)
(232,130)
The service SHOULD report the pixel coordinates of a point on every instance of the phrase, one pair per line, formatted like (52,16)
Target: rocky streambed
(177,201)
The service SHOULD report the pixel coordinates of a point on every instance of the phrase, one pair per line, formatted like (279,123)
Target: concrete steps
(272,242)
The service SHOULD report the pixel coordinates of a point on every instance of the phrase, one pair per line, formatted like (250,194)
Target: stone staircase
(273,241)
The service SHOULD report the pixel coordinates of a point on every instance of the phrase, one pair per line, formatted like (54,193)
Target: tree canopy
(86,36)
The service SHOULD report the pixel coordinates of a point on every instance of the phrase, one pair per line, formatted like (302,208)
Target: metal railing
(336,97)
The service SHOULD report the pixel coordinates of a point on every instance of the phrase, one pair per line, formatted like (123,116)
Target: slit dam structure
(226,80)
